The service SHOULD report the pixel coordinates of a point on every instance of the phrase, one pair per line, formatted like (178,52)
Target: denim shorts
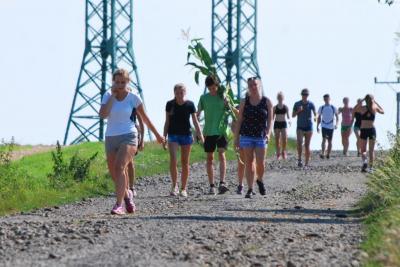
(252,142)
(113,143)
(182,140)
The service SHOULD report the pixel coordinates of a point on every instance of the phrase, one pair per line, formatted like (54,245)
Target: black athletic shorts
(327,133)
(280,125)
(369,133)
(214,141)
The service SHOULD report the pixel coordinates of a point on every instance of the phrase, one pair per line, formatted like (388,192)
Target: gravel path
(305,219)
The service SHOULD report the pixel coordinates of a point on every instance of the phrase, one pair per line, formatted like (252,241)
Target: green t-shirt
(214,109)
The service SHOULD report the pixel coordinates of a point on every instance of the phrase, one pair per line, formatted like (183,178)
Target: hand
(317,129)
(236,144)
(315,119)
(113,90)
(335,127)
(141,145)
(160,139)
(201,138)
(290,123)
(226,102)
(299,109)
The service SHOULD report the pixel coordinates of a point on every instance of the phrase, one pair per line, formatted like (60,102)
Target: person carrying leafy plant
(214,131)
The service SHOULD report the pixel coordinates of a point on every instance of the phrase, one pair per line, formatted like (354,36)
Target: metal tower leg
(234,41)
(108,45)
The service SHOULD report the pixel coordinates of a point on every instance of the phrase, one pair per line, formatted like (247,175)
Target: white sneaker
(174,191)
(184,193)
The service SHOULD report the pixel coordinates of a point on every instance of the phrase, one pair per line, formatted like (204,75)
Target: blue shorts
(308,128)
(253,142)
(182,140)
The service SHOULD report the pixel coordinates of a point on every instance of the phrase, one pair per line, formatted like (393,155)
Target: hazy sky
(334,47)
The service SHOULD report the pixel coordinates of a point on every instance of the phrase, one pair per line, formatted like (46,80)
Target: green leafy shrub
(66,173)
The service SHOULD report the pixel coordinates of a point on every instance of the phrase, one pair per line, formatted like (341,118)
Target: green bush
(65,174)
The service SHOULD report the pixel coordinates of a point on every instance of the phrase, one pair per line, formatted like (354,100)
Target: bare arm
(197,127)
(337,119)
(105,109)
(379,109)
(239,124)
(166,125)
(141,130)
(287,113)
(270,114)
(149,124)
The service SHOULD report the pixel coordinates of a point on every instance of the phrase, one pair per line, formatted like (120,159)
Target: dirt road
(304,220)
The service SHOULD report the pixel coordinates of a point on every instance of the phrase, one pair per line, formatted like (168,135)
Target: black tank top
(368,116)
(254,118)
(282,110)
(357,117)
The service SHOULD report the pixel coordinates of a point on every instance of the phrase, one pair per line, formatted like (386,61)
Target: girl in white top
(121,136)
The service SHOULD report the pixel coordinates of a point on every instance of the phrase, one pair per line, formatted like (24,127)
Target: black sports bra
(368,116)
(280,110)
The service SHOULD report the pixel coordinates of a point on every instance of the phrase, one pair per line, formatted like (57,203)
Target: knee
(119,169)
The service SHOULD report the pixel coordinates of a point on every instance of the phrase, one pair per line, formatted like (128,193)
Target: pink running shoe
(129,204)
(118,210)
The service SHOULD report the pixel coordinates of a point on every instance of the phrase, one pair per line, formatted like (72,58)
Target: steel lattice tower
(234,41)
(108,45)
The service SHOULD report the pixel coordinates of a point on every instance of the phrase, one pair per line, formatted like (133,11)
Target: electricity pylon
(108,45)
(234,41)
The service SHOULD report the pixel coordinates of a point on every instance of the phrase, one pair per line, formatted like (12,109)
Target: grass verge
(382,204)
(25,183)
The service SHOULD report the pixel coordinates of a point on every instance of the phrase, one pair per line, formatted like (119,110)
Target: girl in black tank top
(281,114)
(368,131)
(252,133)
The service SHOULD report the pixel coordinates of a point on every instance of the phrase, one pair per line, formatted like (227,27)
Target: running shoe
(129,204)
(261,187)
(328,156)
(222,189)
(278,156)
(239,189)
(284,155)
(364,167)
(249,194)
(183,193)
(299,163)
(174,191)
(321,156)
(118,210)
(212,191)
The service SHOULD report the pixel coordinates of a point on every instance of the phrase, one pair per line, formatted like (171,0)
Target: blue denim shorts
(182,140)
(252,142)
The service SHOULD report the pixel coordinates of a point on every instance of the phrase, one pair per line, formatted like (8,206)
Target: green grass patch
(382,204)
(25,183)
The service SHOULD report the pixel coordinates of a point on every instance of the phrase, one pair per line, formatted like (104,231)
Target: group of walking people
(256,118)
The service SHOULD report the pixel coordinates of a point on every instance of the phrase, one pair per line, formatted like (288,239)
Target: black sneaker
(222,189)
(328,156)
(321,156)
(249,194)
(364,167)
(239,189)
(299,163)
(261,188)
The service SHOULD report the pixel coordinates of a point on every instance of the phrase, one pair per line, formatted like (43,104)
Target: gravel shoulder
(307,218)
